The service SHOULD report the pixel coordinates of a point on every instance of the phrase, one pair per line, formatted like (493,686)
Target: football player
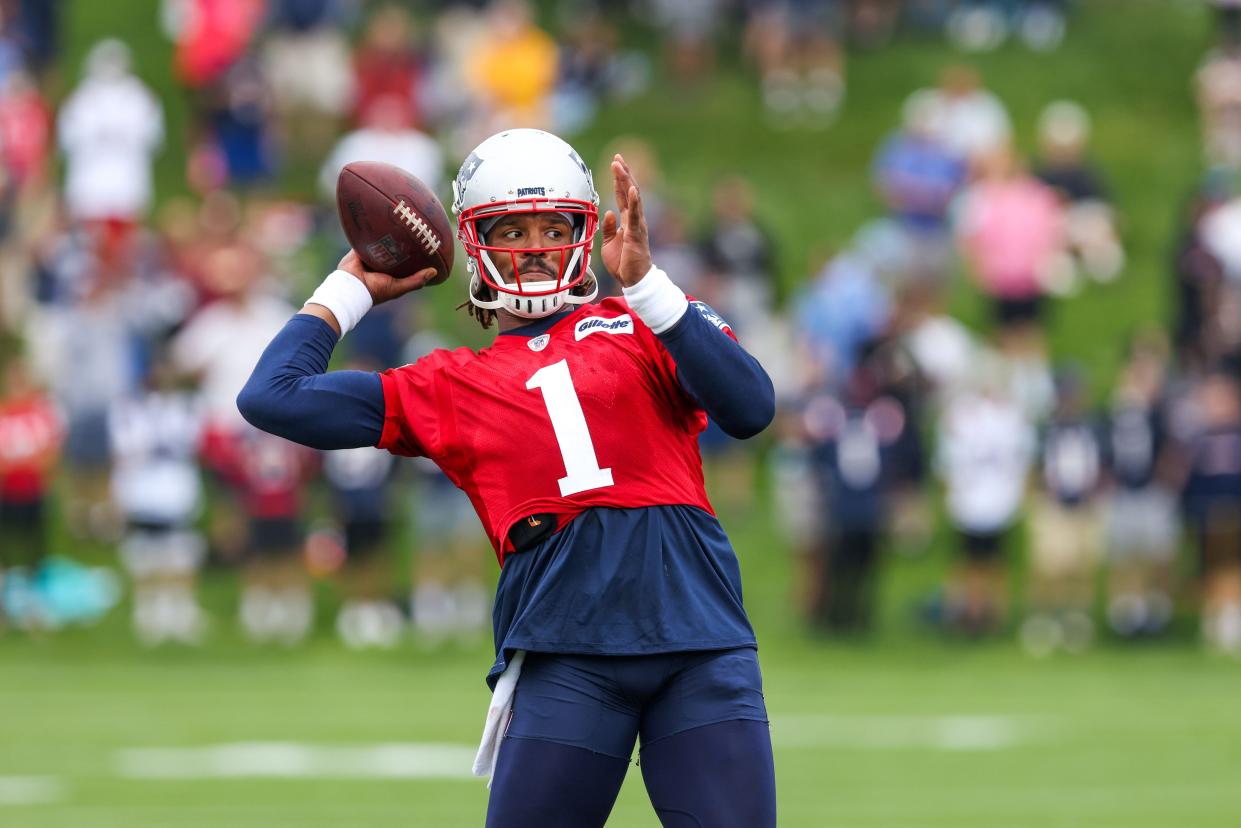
(618,614)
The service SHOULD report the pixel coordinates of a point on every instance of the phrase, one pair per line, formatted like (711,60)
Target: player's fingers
(620,184)
(421,278)
(609,226)
(637,227)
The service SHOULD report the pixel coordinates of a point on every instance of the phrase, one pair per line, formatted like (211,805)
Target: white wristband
(345,296)
(656,300)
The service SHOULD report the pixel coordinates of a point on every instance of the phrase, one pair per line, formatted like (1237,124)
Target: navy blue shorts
(604,703)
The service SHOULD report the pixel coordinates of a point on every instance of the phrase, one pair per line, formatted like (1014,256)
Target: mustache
(536,266)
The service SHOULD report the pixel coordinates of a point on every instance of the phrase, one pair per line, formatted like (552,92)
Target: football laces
(419,227)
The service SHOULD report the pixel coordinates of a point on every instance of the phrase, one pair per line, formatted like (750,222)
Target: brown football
(393,220)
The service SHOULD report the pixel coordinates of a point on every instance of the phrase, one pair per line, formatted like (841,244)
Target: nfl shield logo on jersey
(540,342)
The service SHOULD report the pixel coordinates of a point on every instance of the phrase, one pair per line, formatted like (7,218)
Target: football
(393,220)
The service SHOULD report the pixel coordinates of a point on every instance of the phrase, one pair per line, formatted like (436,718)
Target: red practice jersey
(30,431)
(588,414)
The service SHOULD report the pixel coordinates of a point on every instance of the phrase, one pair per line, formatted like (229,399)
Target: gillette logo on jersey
(595,324)
(552,431)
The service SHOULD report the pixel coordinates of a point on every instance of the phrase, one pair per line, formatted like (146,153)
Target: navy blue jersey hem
(510,647)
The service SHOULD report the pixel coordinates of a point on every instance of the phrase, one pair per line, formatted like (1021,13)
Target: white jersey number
(569,424)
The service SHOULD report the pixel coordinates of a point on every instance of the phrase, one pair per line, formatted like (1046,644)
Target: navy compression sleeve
(716,371)
(289,394)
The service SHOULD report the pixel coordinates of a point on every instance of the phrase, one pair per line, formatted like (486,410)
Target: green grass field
(902,731)
(911,737)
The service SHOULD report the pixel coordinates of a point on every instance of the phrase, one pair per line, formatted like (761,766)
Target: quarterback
(618,616)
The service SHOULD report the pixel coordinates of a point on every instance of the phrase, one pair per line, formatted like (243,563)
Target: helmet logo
(471,165)
(539,342)
(522,192)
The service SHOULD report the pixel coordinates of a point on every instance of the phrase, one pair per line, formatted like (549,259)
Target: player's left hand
(626,243)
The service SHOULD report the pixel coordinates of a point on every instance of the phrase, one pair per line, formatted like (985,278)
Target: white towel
(497,718)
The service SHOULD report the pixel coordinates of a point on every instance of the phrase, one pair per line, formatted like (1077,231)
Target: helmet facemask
(533,293)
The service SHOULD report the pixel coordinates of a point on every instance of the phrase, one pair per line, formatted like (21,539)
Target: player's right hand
(381,286)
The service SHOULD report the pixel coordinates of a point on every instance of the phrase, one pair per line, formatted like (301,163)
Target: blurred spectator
(219,347)
(26,198)
(592,68)
(222,342)
(1218,87)
(872,23)
(1064,526)
(982,25)
(855,439)
(970,122)
(1142,526)
(25,130)
(795,46)
(985,446)
(450,93)
(110,128)
(270,475)
(677,253)
(842,309)
(1090,224)
(688,28)
(155,481)
(739,254)
(449,597)
(1228,18)
(740,284)
(1198,272)
(209,36)
(238,148)
(306,60)
(387,136)
(798,500)
(30,441)
(1011,230)
(388,66)
(941,348)
(360,481)
(515,74)
(37,27)
(917,177)
(1212,504)
(84,337)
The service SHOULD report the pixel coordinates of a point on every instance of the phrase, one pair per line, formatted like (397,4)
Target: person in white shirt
(964,117)
(986,445)
(387,136)
(109,129)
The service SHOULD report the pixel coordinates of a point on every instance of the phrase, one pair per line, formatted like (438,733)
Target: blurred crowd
(130,326)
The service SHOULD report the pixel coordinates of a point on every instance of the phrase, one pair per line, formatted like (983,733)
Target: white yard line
(414,760)
(946,733)
(30,790)
(295,760)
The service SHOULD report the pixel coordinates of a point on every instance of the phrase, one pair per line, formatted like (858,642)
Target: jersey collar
(539,326)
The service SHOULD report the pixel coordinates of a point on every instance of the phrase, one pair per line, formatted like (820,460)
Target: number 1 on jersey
(581,466)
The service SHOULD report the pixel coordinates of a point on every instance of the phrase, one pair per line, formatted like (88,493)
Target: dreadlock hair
(484,316)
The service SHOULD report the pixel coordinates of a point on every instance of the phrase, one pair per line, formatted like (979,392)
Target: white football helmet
(526,171)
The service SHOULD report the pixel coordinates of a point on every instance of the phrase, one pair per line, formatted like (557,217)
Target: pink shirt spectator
(1011,230)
